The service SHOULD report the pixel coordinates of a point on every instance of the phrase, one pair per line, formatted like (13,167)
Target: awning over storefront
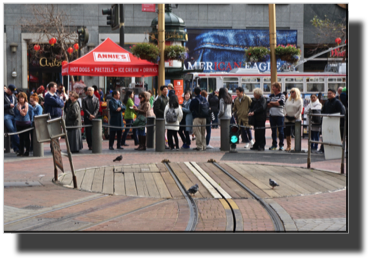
(109,59)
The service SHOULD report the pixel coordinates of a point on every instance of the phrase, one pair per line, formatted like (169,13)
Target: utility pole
(161,46)
(121,25)
(272,41)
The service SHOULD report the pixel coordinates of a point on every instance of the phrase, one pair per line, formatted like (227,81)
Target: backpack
(171,115)
(203,108)
(316,119)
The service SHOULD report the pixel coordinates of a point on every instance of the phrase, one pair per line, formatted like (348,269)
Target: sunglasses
(292,92)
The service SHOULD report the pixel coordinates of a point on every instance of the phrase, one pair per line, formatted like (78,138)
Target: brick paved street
(54,207)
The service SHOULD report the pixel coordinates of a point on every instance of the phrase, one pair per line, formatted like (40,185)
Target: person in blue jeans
(9,116)
(276,118)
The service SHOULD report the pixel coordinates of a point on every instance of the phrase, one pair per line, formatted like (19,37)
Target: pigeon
(119,158)
(193,189)
(273,183)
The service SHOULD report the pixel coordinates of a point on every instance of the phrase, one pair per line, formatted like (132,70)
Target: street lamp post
(272,41)
(161,46)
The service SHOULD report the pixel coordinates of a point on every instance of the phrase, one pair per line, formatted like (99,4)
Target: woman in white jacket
(315,128)
(293,110)
(172,111)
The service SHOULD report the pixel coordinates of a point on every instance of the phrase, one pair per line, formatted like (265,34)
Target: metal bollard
(297,134)
(97,136)
(224,134)
(150,132)
(38,148)
(160,135)
(7,144)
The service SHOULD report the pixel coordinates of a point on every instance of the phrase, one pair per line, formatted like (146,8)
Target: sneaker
(251,142)
(281,148)
(273,148)
(198,149)
(185,146)
(177,149)
(209,147)
(247,145)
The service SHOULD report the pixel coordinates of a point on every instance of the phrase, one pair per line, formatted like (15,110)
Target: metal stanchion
(7,143)
(97,136)
(308,141)
(297,134)
(224,134)
(38,148)
(160,135)
(150,132)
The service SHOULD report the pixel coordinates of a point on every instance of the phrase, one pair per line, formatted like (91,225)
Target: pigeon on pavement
(119,158)
(193,189)
(273,183)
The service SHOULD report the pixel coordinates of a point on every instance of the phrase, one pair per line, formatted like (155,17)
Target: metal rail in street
(278,225)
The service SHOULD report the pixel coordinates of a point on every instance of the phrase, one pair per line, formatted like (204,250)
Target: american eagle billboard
(217,50)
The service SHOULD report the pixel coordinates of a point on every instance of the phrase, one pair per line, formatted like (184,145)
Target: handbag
(139,121)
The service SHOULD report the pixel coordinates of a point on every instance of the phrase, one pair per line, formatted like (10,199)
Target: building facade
(31,73)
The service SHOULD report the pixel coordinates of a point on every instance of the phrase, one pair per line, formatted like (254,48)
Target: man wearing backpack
(199,108)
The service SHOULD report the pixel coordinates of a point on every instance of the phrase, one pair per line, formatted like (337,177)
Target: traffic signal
(234,134)
(83,36)
(113,16)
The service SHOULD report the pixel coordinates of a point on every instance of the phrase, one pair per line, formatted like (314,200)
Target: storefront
(44,66)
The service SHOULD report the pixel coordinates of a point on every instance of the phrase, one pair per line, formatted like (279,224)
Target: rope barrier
(17,133)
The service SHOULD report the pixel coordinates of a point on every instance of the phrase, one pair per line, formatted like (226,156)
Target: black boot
(140,144)
(143,143)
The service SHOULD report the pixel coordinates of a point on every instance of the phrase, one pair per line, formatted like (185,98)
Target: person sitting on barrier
(315,107)
(128,117)
(173,115)
(187,119)
(116,119)
(241,108)
(257,116)
(143,111)
(10,101)
(37,110)
(292,111)
(23,117)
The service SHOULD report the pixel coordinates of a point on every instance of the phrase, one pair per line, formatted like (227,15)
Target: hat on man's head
(170,85)
(12,88)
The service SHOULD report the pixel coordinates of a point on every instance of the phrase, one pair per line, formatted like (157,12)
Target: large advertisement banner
(223,49)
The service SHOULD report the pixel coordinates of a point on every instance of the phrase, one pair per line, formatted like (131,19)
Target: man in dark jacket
(333,106)
(53,104)
(161,102)
(199,119)
(170,90)
(257,116)
(9,116)
(90,108)
(116,119)
(213,101)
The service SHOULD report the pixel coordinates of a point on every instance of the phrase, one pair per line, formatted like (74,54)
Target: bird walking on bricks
(273,183)
(119,158)
(193,189)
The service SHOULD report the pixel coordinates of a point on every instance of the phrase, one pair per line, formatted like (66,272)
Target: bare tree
(49,22)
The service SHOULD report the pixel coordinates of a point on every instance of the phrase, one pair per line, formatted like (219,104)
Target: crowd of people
(200,109)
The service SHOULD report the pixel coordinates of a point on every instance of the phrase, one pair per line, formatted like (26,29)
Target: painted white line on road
(212,182)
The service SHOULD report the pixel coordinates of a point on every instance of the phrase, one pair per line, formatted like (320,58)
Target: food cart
(110,60)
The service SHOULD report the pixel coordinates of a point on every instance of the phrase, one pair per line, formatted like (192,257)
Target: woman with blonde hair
(292,110)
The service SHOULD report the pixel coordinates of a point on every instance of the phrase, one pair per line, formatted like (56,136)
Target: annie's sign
(111,57)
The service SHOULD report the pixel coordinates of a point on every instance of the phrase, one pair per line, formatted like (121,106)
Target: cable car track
(272,213)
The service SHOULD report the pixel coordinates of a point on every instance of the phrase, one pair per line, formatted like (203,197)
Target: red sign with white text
(178,88)
(148,7)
